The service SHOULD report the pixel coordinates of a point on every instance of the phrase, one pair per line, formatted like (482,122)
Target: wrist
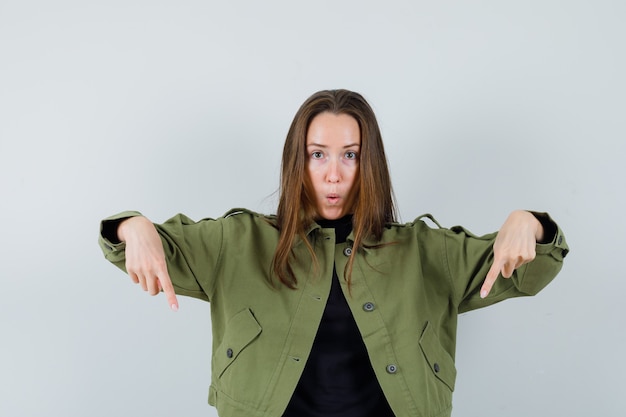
(124,227)
(533,224)
(539,230)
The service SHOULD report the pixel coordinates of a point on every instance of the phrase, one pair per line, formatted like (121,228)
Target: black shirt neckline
(342,226)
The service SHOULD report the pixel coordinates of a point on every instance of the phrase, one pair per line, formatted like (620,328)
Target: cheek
(311,178)
(353,174)
(353,180)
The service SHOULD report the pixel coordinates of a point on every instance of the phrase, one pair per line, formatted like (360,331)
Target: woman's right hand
(145,258)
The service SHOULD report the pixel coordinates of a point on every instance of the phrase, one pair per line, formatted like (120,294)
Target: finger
(511,266)
(168,289)
(142,282)
(153,285)
(133,277)
(490,279)
(507,270)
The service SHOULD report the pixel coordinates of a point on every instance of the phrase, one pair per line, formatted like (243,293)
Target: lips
(332,198)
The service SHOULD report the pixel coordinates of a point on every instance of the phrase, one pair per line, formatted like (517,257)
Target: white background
(183,106)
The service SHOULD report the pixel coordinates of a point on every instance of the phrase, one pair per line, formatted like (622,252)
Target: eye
(317,155)
(351,155)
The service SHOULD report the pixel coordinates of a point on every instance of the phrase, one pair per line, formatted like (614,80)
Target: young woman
(330,307)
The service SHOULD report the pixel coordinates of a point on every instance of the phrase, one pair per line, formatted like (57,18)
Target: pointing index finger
(490,279)
(168,289)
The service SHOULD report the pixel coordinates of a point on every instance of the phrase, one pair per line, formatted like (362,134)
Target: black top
(338,379)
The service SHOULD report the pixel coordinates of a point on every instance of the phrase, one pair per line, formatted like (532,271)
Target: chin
(331,214)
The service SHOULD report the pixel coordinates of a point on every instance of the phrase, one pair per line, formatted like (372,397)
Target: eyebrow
(319,145)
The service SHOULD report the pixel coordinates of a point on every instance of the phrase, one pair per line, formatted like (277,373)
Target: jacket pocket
(439,360)
(241,330)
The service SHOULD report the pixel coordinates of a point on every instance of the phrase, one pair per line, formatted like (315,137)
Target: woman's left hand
(514,246)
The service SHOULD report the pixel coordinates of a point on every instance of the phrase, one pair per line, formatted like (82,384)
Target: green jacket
(405,298)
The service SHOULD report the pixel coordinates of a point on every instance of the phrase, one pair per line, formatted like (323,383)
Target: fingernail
(483,293)
(174,307)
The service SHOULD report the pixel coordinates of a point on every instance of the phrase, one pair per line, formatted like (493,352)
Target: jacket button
(347,251)
(392,369)
(369,306)
(559,240)
(436,367)
(229,353)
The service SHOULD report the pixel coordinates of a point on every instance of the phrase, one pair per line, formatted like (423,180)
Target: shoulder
(244,214)
(426,225)
(242,218)
(422,228)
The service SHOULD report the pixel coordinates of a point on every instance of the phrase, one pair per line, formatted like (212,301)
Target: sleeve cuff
(108,230)
(554,239)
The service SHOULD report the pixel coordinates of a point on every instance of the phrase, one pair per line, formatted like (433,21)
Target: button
(560,240)
(436,367)
(347,251)
(229,353)
(392,369)
(369,306)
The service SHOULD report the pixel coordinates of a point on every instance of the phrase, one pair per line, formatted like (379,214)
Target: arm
(143,255)
(191,249)
(145,258)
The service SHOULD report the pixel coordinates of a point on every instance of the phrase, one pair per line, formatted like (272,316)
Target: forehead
(329,129)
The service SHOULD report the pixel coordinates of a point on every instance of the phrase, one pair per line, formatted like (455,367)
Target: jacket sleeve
(468,259)
(192,250)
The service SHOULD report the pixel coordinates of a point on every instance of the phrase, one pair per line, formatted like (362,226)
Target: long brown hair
(372,194)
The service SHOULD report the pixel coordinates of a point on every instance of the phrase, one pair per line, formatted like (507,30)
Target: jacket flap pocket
(439,360)
(241,330)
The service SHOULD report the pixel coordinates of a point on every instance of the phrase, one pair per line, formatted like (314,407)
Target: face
(333,143)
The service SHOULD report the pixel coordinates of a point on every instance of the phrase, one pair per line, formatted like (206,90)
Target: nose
(333,175)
